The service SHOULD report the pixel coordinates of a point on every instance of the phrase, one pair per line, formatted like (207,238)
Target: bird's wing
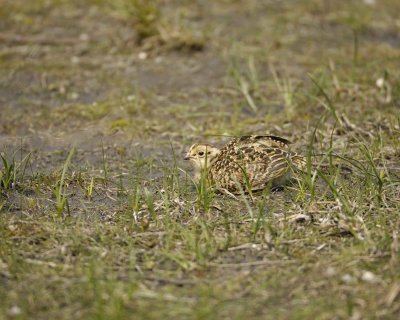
(265,165)
(254,160)
(265,140)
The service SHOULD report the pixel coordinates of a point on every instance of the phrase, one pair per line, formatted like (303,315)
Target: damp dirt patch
(99,214)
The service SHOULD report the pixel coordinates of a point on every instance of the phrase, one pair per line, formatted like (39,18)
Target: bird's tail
(300,163)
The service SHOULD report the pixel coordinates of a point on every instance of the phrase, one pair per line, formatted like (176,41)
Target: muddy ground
(125,87)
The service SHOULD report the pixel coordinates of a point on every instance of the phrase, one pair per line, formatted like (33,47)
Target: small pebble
(380,82)
(347,278)
(14,311)
(142,55)
(368,276)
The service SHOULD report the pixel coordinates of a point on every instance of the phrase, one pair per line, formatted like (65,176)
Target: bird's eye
(201,153)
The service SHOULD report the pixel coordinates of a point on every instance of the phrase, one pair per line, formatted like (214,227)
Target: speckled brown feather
(252,160)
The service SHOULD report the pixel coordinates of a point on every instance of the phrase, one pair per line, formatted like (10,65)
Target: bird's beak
(187,157)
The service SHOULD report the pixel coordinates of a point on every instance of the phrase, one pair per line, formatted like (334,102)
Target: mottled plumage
(249,161)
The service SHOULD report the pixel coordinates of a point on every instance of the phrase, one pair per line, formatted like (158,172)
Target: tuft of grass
(205,192)
(142,241)
(143,16)
(88,189)
(12,170)
(60,187)
(119,124)
(247,81)
(8,175)
(287,90)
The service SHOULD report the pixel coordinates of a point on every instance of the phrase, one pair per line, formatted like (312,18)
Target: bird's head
(202,155)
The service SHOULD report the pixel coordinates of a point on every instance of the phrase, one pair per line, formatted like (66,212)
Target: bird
(247,163)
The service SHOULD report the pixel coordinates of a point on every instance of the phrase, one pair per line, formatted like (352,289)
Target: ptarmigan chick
(248,162)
